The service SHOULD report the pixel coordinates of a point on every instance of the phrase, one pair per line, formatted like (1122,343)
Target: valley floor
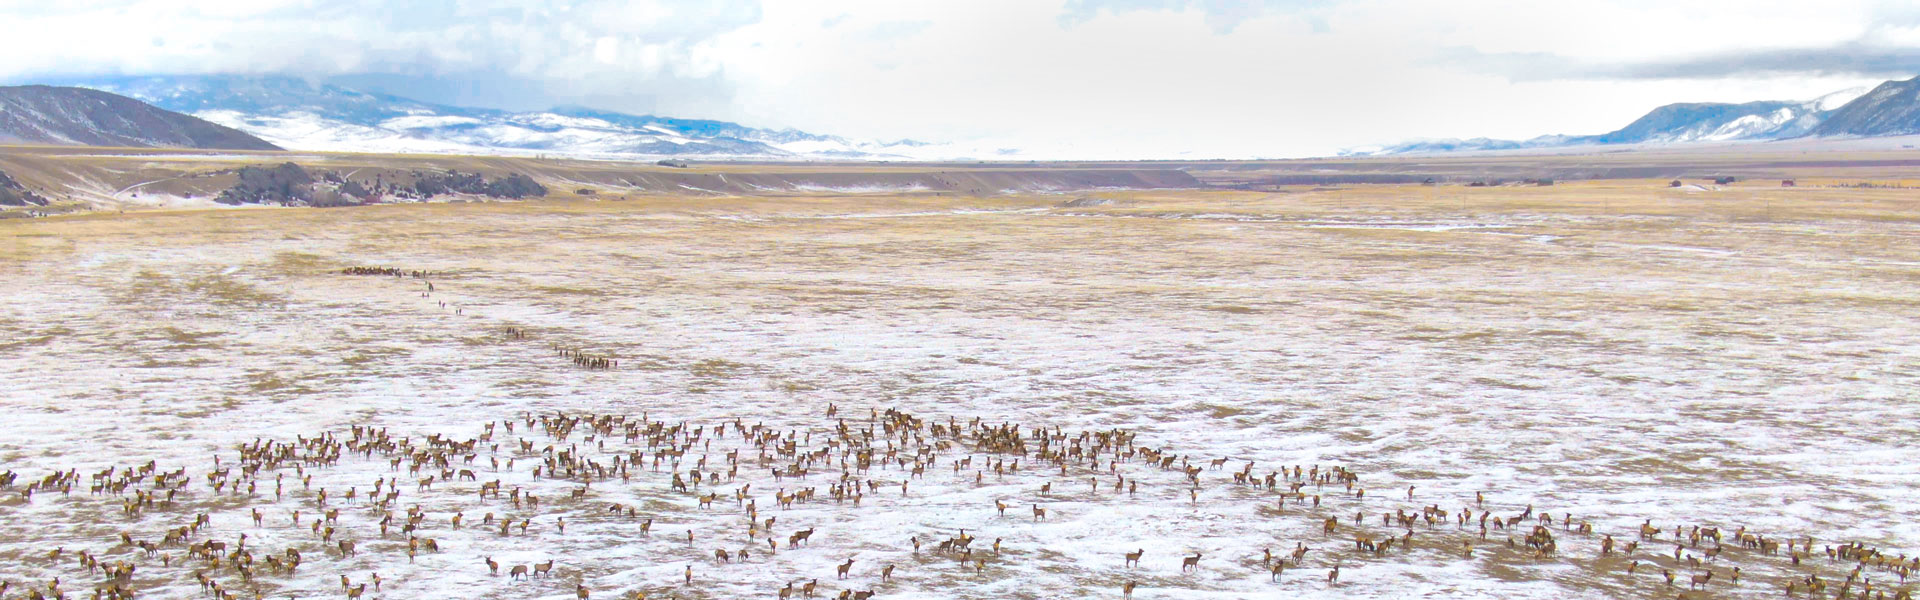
(1614,350)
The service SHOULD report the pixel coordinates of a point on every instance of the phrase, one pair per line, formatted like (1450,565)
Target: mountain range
(67,116)
(305,115)
(1892,108)
(272,112)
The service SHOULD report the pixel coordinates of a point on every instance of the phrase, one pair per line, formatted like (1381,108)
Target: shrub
(284,184)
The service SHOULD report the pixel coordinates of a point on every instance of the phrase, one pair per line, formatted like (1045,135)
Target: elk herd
(603,460)
(270,518)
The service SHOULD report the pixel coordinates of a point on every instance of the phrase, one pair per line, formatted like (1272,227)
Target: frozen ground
(1616,354)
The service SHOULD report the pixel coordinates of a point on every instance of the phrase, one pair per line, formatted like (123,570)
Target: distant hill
(1893,108)
(1679,123)
(14,194)
(1715,122)
(71,116)
(306,115)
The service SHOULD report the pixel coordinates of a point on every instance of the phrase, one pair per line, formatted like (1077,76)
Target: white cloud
(1093,78)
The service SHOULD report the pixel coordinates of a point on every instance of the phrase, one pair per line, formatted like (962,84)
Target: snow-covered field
(1714,364)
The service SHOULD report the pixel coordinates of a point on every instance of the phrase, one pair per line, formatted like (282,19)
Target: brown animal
(1191,563)
(1039,514)
(545,568)
(1126,589)
(843,568)
(493,568)
(1133,558)
(1700,581)
(886,573)
(581,592)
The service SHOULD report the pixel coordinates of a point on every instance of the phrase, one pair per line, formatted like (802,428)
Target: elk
(1191,563)
(1700,581)
(1039,514)
(843,568)
(493,568)
(545,568)
(1133,558)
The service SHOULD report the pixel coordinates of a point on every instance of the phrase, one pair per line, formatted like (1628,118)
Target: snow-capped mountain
(1892,108)
(1679,123)
(39,114)
(301,115)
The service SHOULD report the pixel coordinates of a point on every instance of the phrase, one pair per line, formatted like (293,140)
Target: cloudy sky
(1064,78)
